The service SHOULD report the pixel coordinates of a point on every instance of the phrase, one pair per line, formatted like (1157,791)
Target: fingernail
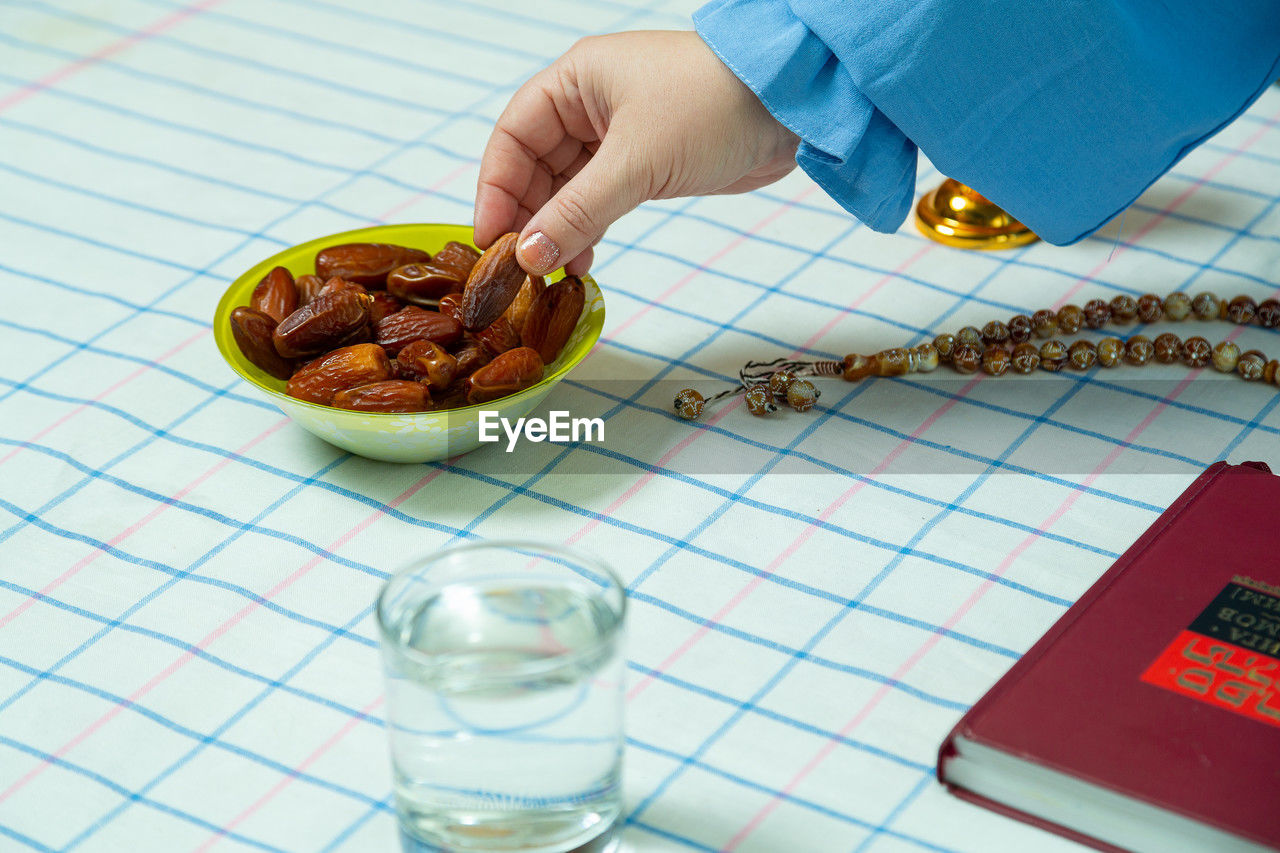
(539,253)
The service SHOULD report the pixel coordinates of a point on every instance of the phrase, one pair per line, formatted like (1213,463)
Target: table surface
(187,656)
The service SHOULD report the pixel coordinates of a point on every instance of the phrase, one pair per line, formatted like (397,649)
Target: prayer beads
(1000,347)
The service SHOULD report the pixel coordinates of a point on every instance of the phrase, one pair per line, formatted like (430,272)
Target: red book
(1148,717)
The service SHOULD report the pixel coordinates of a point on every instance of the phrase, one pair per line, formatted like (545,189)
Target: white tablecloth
(187,658)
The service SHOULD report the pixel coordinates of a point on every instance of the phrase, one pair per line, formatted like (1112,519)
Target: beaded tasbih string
(999,347)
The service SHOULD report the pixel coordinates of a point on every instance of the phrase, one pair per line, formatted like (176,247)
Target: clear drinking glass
(504,671)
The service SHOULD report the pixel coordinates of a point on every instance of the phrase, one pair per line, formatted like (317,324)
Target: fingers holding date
(386,328)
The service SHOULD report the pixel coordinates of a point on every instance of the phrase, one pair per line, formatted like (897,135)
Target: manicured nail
(539,253)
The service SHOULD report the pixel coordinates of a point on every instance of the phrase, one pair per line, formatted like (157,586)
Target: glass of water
(504,671)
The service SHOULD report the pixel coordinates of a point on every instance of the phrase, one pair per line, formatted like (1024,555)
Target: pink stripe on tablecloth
(640,483)
(915,657)
(189,655)
(197,336)
(746,590)
(288,780)
(132,376)
(413,199)
(661,298)
(137,36)
(130,530)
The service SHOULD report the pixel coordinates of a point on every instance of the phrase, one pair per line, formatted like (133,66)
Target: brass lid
(960,216)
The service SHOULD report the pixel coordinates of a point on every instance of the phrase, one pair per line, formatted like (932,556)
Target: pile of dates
(383,328)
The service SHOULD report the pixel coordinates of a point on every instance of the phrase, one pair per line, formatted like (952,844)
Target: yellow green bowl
(415,437)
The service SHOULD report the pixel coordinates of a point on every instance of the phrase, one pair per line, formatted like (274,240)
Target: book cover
(1162,683)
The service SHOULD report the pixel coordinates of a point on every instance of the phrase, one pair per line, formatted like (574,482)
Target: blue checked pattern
(187,656)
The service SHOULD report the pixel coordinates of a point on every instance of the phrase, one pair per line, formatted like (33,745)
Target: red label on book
(1230,677)
(1230,656)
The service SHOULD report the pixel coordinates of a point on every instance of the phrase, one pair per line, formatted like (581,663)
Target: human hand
(616,121)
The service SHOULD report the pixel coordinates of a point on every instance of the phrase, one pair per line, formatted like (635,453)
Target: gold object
(960,216)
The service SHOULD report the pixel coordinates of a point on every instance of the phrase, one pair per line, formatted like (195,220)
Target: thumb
(610,184)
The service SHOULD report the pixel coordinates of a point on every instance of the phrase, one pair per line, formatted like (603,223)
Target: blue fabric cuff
(859,157)
(1062,113)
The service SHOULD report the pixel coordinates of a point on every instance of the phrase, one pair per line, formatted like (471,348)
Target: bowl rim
(222,317)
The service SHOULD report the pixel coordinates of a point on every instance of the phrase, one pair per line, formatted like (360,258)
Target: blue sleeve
(1061,112)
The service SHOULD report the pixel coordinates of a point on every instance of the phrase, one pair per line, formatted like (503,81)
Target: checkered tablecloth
(187,656)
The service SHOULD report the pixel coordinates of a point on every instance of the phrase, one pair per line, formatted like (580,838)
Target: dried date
(366,263)
(252,330)
(412,323)
(493,284)
(319,380)
(458,257)
(276,295)
(429,363)
(472,355)
(553,316)
(383,305)
(337,283)
(361,335)
(309,287)
(529,292)
(498,337)
(451,305)
(322,324)
(392,395)
(424,284)
(510,372)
